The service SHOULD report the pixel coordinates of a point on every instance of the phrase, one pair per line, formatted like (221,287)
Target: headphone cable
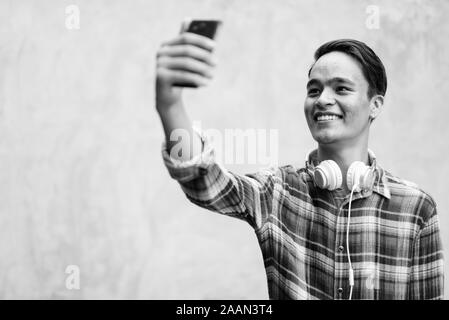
(351,271)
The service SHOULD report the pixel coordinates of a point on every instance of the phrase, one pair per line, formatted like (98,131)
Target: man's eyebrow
(336,79)
(312,82)
(342,80)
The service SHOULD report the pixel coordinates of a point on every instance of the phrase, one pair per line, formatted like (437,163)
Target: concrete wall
(81,177)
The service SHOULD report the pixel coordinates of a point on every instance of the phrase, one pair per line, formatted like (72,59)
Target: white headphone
(327,175)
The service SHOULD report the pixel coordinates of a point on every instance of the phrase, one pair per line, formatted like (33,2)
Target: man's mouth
(327,117)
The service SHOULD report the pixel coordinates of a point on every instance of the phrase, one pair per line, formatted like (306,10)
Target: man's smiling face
(337,107)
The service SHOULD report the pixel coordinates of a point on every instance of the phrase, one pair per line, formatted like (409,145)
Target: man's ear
(376,104)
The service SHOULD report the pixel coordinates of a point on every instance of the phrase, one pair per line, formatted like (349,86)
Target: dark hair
(372,67)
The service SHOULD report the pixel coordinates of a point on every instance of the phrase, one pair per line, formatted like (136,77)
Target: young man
(341,227)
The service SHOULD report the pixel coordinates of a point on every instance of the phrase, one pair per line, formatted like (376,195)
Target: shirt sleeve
(208,184)
(427,271)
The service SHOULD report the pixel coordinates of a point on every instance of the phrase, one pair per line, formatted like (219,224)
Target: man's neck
(344,156)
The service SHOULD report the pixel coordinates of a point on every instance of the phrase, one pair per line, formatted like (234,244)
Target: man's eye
(312,92)
(343,89)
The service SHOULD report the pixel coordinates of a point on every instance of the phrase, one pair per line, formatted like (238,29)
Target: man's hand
(186,59)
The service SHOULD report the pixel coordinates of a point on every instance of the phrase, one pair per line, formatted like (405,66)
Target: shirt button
(203,171)
(341,248)
(340,290)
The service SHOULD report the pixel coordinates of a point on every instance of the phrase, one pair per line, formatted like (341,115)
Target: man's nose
(326,98)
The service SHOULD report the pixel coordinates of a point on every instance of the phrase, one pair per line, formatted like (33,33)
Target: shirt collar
(380,183)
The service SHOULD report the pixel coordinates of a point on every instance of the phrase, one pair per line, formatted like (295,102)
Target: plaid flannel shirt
(394,237)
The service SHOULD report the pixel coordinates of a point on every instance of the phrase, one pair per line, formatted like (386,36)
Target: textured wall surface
(81,177)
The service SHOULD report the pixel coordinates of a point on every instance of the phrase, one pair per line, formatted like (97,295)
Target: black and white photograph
(252,150)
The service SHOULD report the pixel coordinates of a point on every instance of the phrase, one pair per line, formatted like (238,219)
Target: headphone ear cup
(358,174)
(327,175)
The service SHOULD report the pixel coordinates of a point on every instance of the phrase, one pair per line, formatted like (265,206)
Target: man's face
(337,107)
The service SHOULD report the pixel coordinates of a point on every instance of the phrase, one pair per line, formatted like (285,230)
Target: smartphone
(206,28)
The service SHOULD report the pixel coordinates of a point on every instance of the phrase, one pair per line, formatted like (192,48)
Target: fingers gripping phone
(206,28)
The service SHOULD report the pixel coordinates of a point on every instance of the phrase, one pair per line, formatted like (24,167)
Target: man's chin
(325,139)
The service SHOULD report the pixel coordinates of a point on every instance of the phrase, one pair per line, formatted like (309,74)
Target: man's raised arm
(186,59)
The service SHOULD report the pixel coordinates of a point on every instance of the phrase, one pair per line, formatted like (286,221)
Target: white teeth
(327,117)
